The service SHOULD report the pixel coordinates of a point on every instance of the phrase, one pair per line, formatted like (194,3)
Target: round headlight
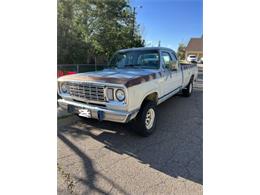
(64,88)
(120,95)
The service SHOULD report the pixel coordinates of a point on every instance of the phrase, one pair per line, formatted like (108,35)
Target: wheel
(188,90)
(145,122)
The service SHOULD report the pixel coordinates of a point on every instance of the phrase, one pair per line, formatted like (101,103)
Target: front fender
(138,93)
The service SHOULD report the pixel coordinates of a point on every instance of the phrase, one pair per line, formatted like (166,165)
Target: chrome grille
(87,91)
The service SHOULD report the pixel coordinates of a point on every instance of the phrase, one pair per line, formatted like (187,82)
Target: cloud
(169,46)
(151,43)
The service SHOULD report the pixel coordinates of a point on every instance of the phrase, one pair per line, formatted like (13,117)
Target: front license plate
(85,113)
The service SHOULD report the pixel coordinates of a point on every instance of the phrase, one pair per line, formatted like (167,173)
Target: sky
(170,21)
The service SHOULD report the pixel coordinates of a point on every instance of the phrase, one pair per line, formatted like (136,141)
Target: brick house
(195,47)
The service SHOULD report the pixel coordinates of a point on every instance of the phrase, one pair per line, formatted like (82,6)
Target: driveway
(109,158)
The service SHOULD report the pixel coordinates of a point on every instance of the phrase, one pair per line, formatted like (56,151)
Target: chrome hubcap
(149,119)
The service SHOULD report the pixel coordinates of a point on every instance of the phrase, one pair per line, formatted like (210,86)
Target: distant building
(195,47)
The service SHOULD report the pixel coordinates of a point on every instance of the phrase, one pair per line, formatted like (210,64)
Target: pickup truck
(135,82)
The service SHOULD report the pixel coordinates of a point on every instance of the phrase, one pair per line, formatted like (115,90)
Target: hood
(127,77)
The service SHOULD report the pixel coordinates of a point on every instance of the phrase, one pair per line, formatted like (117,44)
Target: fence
(65,69)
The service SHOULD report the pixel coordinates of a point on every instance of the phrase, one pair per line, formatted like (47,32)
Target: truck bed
(187,71)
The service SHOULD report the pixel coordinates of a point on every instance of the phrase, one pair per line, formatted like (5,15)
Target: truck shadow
(174,149)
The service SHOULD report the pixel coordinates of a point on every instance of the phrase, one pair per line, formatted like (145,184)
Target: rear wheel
(145,122)
(188,90)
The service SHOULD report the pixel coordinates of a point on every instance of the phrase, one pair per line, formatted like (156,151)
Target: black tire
(139,122)
(188,90)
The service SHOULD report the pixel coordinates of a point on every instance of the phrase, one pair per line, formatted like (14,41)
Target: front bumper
(100,113)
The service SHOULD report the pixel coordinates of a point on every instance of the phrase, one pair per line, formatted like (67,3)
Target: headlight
(64,88)
(120,95)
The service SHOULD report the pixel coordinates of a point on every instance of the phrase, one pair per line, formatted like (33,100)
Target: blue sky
(171,21)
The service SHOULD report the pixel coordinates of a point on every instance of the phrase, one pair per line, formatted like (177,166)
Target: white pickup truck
(137,80)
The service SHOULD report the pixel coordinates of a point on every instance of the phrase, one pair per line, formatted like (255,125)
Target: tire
(188,90)
(139,124)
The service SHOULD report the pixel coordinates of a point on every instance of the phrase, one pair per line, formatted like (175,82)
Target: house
(195,47)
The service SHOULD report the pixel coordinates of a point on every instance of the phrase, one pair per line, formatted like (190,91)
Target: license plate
(85,113)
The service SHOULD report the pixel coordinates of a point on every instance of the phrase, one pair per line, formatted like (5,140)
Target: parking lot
(109,158)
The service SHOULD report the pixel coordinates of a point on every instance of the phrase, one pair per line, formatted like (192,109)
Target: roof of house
(195,44)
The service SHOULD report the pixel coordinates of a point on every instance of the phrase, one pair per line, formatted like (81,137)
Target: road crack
(70,183)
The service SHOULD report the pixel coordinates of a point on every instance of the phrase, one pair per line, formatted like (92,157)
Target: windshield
(136,59)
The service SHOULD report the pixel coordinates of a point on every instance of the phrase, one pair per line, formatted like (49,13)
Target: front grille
(88,91)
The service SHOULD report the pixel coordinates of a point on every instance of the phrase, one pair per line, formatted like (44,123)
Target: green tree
(181,51)
(90,28)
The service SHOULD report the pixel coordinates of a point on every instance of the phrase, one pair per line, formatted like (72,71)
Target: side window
(166,58)
(174,57)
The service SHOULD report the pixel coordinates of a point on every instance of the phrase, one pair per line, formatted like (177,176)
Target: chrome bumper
(99,112)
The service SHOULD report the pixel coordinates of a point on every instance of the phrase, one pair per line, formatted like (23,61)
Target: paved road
(108,158)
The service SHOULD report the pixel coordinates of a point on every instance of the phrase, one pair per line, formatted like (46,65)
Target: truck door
(172,78)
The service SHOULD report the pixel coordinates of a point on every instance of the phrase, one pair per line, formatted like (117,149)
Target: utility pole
(159,43)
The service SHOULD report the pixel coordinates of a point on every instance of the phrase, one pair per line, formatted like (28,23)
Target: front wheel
(145,122)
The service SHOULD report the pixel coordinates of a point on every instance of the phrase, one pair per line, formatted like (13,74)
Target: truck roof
(145,48)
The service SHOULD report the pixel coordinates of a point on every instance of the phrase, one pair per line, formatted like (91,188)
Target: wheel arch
(151,96)
(192,77)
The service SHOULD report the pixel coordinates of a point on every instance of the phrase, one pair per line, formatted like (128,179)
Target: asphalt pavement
(109,158)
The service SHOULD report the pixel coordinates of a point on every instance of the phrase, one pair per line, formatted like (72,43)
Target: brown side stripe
(187,66)
(124,81)
(142,79)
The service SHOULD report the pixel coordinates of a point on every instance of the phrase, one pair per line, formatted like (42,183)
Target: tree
(90,28)
(181,51)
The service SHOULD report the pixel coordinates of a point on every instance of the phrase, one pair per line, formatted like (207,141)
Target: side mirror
(173,65)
